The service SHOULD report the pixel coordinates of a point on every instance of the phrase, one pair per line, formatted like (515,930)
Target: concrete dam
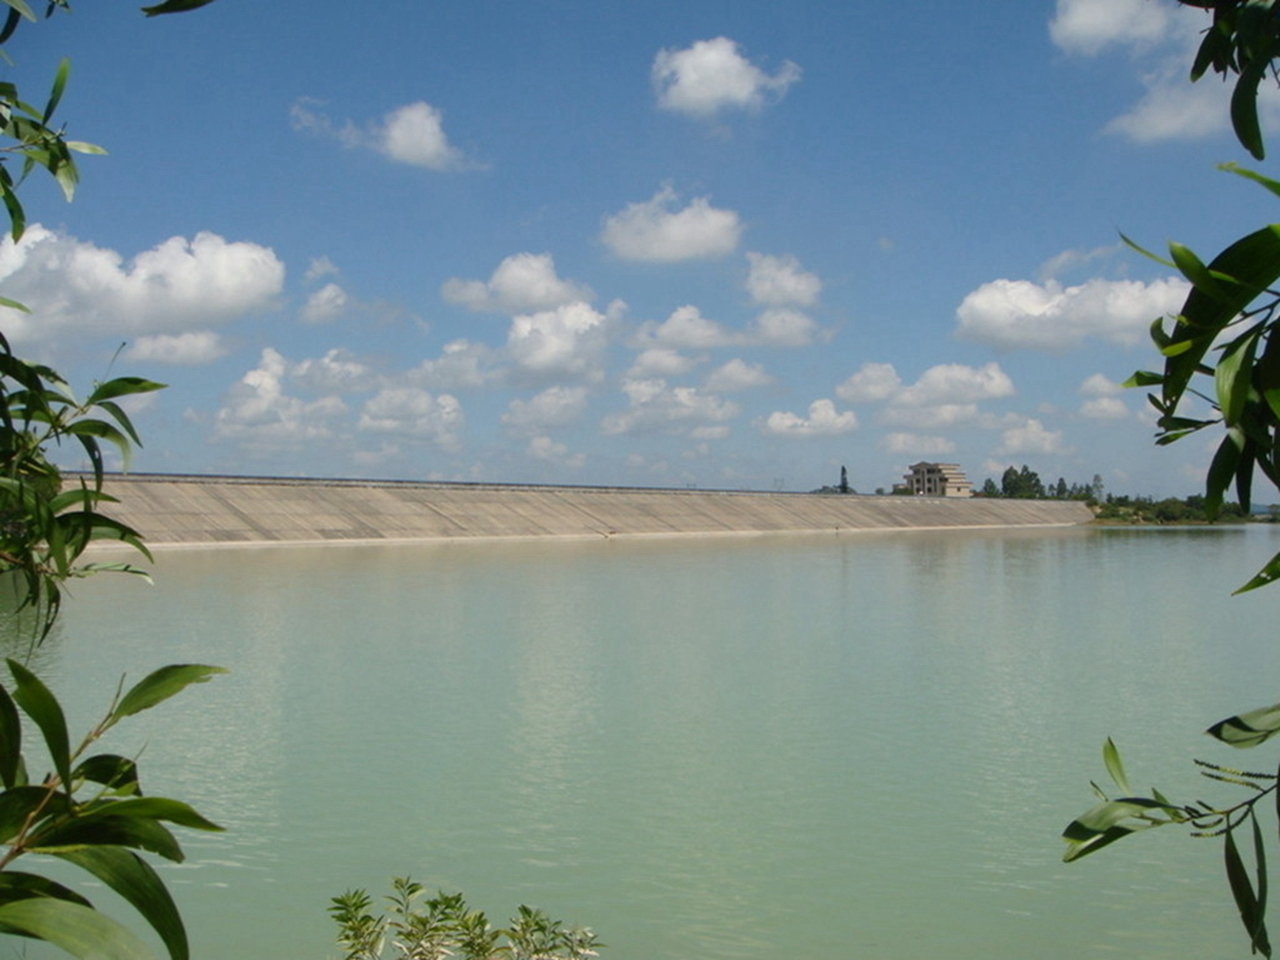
(209,510)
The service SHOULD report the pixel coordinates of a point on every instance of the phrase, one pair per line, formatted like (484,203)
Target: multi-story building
(938,480)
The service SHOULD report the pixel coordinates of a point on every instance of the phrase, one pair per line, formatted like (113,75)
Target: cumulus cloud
(320,267)
(413,412)
(1013,314)
(688,329)
(325,304)
(1104,402)
(913,444)
(544,448)
(713,75)
(556,406)
(737,375)
(182,349)
(1089,26)
(1030,436)
(522,283)
(462,365)
(260,413)
(338,371)
(945,394)
(656,231)
(823,421)
(872,383)
(177,286)
(412,134)
(1162,39)
(660,362)
(781,328)
(653,406)
(780,281)
(568,341)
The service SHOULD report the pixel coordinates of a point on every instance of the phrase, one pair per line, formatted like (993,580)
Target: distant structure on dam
(193,510)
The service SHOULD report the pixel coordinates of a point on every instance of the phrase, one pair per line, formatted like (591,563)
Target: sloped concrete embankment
(230,510)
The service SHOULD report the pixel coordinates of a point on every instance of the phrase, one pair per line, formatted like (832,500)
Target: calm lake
(860,746)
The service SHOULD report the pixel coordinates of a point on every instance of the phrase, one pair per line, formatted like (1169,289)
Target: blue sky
(729,244)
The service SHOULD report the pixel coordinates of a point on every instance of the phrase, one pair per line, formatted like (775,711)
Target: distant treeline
(1025,484)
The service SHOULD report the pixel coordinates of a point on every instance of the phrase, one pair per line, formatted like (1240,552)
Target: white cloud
(1012,314)
(1104,408)
(873,382)
(462,365)
(338,371)
(413,412)
(568,341)
(177,286)
(737,375)
(1030,436)
(660,362)
(712,75)
(823,421)
(945,394)
(320,267)
(259,413)
(1100,385)
(655,406)
(522,283)
(688,329)
(412,134)
(654,231)
(780,281)
(914,444)
(554,407)
(781,328)
(1088,26)
(183,349)
(325,304)
(544,448)
(1174,109)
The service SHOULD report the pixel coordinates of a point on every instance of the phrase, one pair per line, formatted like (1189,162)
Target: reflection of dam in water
(193,509)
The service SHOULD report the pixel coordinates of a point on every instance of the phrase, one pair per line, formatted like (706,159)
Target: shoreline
(201,512)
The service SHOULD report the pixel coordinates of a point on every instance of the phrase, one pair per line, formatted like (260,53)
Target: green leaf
(22,8)
(1246,900)
(137,882)
(1248,729)
(1268,574)
(1222,471)
(19,803)
(10,739)
(1103,824)
(1111,757)
(137,833)
(1144,378)
(1266,182)
(1234,374)
(119,774)
(42,707)
(121,387)
(59,85)
(159,686)
(81,931)
(79,146)
(17,885)
(149,808)
(1244,106)
(173,6)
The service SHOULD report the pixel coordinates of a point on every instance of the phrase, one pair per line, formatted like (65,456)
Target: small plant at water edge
(444,926)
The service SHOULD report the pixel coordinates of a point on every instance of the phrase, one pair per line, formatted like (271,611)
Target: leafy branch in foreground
(89,811)
(1115,818)
(444,926)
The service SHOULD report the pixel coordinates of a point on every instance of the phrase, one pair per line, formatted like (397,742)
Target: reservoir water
(855,746)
